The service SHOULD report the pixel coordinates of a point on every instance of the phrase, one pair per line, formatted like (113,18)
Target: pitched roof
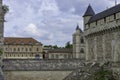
(62,50)
(16,40)
(105,13)
(89,11)
(78,28)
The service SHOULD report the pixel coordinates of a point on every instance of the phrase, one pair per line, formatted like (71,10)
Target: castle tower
(88,14)
(78,41)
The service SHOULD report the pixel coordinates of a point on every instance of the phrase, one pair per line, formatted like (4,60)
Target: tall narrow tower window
(82,50)
(82,40)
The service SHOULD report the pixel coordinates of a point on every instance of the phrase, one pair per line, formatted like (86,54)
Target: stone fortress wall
(39,70)
(101,33)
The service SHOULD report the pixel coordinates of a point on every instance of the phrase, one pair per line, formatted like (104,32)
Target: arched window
(82,40)
(82,50)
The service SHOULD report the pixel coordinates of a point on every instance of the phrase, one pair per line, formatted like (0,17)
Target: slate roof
(105,13)
(16,40)
(78,28)
(89,11)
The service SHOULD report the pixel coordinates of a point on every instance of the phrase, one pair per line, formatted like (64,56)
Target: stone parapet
(42,65)
(100,28)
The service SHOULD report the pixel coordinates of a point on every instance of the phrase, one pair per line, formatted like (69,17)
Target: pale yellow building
(21,48)
(60,53)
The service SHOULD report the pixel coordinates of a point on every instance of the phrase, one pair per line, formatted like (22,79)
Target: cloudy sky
(49,21)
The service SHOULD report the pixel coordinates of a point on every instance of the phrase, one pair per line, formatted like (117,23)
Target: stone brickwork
(40,69)
(101,32)
(36,75)
(78,44)
(89,71)
(42,65)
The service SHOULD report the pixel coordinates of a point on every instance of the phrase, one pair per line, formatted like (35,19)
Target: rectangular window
(14,49)
(52,56)
(57,56)
(18,49)
(37,49)
(26,49)
(30,49)
(65,56)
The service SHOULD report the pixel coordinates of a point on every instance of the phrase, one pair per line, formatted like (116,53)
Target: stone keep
(101,32)
(78,44)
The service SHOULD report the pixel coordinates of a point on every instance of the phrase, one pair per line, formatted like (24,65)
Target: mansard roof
(18,40)
(89,11)
(105,13)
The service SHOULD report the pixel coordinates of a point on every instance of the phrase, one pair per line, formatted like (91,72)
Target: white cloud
(49,21)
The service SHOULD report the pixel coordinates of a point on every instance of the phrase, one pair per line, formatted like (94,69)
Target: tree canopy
(5,9)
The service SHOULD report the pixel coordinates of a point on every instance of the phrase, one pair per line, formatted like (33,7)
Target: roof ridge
(105,13)
(107,9)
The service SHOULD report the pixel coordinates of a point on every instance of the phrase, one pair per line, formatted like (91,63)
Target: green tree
(68,45)
(103,74)
(55,46)
(1,51)
(5,9)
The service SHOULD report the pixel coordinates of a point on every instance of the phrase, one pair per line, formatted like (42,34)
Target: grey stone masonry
(41,65)
(87,72)
(1,75)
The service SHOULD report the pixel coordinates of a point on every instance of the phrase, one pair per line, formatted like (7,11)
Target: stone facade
(36,75)
(39,69)
(41,65)
(22,48)
(78,44)
(101,32)
(60,53)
